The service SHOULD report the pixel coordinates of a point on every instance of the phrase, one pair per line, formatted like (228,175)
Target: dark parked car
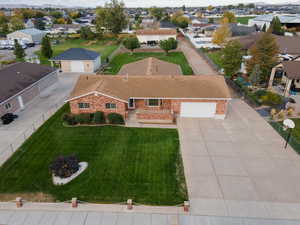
(29,45)
(8,118)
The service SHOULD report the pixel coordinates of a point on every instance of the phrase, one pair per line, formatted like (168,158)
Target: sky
(141,3)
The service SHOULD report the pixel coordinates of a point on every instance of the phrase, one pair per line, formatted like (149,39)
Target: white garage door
(77,66)
(198,109)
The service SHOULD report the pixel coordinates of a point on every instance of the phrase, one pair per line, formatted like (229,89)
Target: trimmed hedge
(84,118)
(99,118)
(69,119)
(115,118)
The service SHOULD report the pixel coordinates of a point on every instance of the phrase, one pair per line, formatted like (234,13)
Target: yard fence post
(129,204)
(186,206)
(19,202)
(74,202)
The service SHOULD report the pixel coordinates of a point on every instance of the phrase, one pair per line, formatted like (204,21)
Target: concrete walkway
(238,167)
(198,64)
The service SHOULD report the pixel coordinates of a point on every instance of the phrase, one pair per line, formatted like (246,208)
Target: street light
(288,125)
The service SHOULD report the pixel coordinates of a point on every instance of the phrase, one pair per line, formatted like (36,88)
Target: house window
(153,102)
(7,106)
(83,105)
(110,106)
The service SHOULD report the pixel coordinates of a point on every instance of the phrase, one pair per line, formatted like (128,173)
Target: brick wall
(221,105)
(97,103)
(142,104)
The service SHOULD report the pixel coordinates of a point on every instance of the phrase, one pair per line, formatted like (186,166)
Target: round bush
(69,119)
(115,118)
(64,166)
(99,118)
(84,118)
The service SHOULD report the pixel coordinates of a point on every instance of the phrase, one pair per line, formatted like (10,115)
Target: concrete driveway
(21,128)
(238,166)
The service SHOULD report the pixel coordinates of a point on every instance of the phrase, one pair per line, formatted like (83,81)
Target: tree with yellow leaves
(230,16)
(222,34)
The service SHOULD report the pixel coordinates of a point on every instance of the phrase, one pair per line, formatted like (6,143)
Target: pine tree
(264,28)
(231,58)
(276,27)
(46,48)
(255,75)
(19,51)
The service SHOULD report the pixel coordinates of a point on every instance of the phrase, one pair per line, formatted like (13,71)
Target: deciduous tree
(19,51)
(168,45)
(230,17)
(221,35)
(17,23)
(131,43)
(157,13)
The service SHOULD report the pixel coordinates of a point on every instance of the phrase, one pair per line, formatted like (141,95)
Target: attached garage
(198,109)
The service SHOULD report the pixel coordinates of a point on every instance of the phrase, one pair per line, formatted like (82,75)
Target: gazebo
(289,74)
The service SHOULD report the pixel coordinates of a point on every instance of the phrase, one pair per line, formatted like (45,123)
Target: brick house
(152,99)
(22,82)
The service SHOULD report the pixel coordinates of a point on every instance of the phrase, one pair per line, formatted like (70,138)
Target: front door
(131,104)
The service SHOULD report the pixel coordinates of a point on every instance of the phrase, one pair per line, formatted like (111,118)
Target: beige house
(154,36)
(31,35)
(77,60)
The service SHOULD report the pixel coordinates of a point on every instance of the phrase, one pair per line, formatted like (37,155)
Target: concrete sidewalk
(238,166)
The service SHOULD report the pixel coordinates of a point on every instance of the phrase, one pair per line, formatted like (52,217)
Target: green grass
(215,56)
(244,20)
(102,47)
(125,58)
(139,163)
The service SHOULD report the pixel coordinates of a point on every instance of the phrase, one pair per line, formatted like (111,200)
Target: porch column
(287,88)
(52,64)
(270,85)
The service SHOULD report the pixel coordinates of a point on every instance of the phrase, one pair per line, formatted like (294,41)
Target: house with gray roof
(21,82)
(78,60)
(31,35)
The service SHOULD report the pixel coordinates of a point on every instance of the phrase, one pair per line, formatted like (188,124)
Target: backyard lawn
(125,58)
(244,20)
(215,56)
(139,163)
(103,47)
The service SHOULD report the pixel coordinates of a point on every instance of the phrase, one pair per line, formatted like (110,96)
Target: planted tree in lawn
(131,43)
(232,58)
(168,45)
(19,51)
(265,53)
(221,35)
(46,48)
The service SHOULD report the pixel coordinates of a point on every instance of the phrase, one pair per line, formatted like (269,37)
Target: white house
(31,35)
(151,36)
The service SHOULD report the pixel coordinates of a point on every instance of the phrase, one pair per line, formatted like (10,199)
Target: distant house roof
(150,66)
(288,18)
(167,24)
(156,32)
(200,87)
(31,31)
(76,54)
(287,45)
(18,76)
(66,26)
(292,69)
(240,30)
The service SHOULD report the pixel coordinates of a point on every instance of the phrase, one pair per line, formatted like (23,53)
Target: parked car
(8,118)
(29,45)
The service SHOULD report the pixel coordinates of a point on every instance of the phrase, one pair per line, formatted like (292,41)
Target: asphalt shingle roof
(31,31)
(76,54)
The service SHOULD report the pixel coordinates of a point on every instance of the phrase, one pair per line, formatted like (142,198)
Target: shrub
(271,99)
(64,166)
(99,118)
(260,93)
(115,118)
(69,119)
(84,118)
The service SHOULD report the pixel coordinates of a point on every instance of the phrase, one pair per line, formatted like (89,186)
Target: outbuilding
(78,60)
(31,35)
(21,82)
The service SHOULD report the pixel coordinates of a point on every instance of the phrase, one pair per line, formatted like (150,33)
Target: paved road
(238,166)
(9,54)
(198,64)
(14,132)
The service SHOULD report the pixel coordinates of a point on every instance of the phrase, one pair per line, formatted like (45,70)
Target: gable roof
(119,87)
(76,54)
(156,32)
(150,66)
(167,24)
(31,31)
(292,69)
(240,30)
(18,76)
(287,45)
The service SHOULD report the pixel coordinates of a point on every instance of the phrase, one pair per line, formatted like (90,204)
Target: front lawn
(105,47)
(125,58)
(139,163)
(215,56)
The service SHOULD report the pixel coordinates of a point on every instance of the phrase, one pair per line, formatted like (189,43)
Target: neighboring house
(22,82)
(150,66)
(287,20)
(152,99)
(29,24)
(78,60)
(151,36)
(65,28)
(31,35)
(166,25)
(287,45)
(287,75)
